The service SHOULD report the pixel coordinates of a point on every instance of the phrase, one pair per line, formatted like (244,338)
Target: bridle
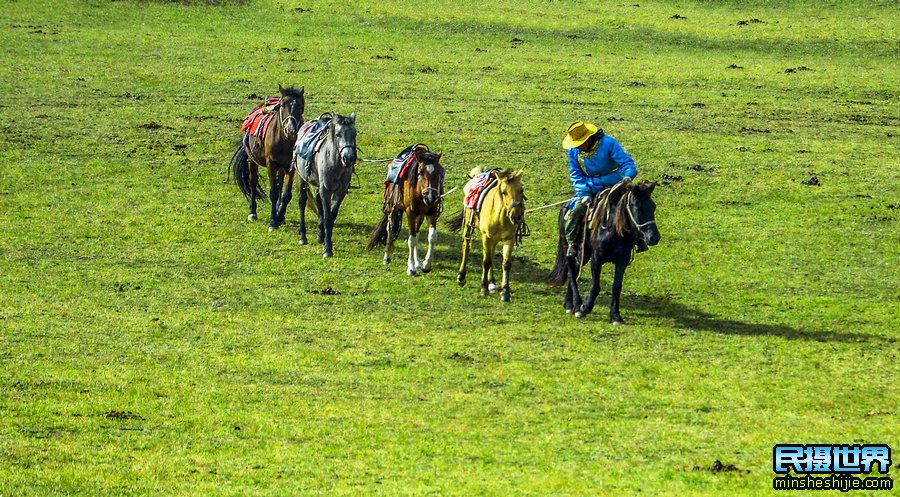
(286,120)
(428,189)
(637,225)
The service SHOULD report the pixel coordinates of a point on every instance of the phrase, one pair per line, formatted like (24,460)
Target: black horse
(623,221)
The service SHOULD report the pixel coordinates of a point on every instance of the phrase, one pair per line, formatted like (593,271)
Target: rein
(285,120)
(631,216)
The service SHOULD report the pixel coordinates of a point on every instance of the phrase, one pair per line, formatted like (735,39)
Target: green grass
(153,342)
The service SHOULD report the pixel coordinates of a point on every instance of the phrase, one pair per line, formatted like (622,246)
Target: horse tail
(558,273)
(380,234)
(455,223)
(240,171)
(311,201)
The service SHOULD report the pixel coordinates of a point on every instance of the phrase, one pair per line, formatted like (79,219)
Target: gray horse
(329,170)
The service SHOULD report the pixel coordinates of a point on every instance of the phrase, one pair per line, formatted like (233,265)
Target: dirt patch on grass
(718,467)
(122,415)
(811,181)
(325,291)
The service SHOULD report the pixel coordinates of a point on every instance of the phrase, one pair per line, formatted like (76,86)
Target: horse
(623,222)
(501,220)
(419,195)
(274,151)
(330,171)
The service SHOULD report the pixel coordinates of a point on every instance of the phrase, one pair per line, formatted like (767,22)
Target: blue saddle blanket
(309,136)
(396,170)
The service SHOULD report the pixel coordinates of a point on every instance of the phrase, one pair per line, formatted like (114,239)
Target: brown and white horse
(419,196)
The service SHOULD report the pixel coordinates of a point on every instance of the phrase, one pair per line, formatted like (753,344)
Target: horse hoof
(386,261)
(251,217)
(616,322)
(504,298)
(461,279)
(303,241)
(272,228)
(579,314)
(569,311)
(484,292)
(412,272)
(493,288)
(327,255)
(426,269)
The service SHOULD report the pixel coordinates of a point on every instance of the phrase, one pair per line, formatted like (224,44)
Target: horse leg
(614,316)
(321,237)
(287,193)
(254,185)
(325,216)
(302,201)
(588,304)
(466,246)
(572,263)
(419,219)
(487,258)
(412,263)
(335,206)
(432,239)
(507,265)
(274,195)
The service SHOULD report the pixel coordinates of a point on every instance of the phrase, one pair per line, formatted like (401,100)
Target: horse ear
(280,89)
(440,154)
(519,173)
(302,90)
(353,116)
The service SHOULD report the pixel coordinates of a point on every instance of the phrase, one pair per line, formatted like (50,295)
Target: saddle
(598,217)
(257,123)
(478,187)
(397,171)
(311,136)
(399,167)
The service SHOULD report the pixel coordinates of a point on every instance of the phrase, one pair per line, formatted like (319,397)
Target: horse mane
(343,120)
(620,221)
(507,175)
(292,92)
(429,157)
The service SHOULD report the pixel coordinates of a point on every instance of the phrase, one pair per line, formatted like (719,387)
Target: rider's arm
(580,182)
(624,162)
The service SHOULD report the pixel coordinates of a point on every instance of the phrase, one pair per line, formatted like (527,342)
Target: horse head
(639,214)
(291,110)
(430,179)
(343,134)
(512,194)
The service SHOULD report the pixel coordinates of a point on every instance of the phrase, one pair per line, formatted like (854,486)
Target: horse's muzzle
(348,157)
(651,238)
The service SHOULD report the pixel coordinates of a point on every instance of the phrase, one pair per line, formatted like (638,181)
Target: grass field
(154,342)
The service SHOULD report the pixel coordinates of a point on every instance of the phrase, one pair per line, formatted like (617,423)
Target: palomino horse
(273,149)
(501,220)
(330,170)
(419,195)
(624,218)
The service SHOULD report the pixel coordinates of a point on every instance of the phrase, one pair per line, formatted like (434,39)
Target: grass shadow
(689,318)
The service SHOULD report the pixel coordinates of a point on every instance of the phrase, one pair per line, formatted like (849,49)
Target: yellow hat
(577,134)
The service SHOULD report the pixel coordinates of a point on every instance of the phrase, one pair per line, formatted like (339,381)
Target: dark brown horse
(274,150)
(624,221)
(419,195)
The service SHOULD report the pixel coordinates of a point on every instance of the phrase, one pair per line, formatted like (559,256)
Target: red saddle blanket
(477,187)
(257,123)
